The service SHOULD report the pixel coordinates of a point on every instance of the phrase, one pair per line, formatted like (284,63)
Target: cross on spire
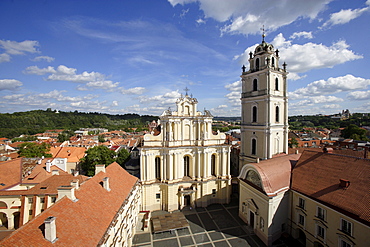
(186,90)
(263,33)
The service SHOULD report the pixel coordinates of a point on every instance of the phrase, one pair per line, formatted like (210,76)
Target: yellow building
(183,163)
(330,200)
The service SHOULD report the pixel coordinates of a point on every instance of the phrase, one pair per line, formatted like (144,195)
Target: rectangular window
(321,213)
(42,200)
(30,200)
(302,203)
(213,191)
(301,220)
(346,227)
(158,196)
(53,199)
(344,244)
(320,231)
(30,212)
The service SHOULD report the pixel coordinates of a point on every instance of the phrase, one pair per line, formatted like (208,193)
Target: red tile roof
(83,222)
(317,175)
(10,173)
(275,173)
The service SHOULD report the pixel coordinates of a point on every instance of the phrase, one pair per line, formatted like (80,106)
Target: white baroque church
(184,163)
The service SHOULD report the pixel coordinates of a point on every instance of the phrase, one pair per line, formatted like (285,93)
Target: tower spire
(263,33)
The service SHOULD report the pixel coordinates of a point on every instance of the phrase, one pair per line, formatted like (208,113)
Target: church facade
(183,162)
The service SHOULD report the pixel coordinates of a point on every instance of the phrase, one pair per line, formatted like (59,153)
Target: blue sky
(128,56)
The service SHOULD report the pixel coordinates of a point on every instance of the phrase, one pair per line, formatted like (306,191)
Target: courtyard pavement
(217,225)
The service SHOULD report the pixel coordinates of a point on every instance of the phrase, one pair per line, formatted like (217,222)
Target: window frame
(301,223)
(186,166)
(254,114)
(320,231)
(157,162)
(322,215)
(255,85)
(348,223)
(301,203)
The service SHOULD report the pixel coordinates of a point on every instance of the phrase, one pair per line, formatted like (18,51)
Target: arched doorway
(302,237)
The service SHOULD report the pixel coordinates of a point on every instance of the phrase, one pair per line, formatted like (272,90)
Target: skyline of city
(129,57)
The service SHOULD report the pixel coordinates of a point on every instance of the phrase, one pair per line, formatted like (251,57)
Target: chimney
(343,183)
(99,168)
(75,183)
(55,172)
(68,191)
(48,165)
(50,229)
(106,183)
(328,150)
(296,151)
(76,173)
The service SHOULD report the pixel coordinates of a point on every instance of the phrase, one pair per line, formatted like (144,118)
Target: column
(10,221)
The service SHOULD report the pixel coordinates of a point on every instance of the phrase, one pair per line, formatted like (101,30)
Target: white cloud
(344,16)
(359,95)
(246,16)
(135,90)
(165,100)
(63,73)
(200,21)
(19,48)
(4,58)
(233,96)
(10,84)
(106,85)
(114,103)
(41,58)
(332,85)
(304,34)
(302,58)
(34,70)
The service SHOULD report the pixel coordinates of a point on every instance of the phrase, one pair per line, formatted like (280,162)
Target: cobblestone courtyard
(216,225)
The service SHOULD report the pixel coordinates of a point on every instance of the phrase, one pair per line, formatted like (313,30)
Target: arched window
(158,168)
(255,84)
(273,62)
(257,64)
(253,177)
(254,146)
(254,114)
(213,165)
(277,112)
(276,84)
(186,166)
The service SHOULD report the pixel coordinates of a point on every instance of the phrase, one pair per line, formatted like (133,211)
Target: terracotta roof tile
(317,176)
(83,222)
(10,173)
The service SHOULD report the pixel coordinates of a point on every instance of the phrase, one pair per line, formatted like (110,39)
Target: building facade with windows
(183,162)
(264,128)
(330,200)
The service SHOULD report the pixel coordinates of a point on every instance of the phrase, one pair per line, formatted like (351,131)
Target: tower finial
(263,33)
(186,90)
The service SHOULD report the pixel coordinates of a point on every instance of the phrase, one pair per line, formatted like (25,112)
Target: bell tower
(264,129)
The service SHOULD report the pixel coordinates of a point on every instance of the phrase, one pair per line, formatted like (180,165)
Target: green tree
(101,138)
(352,131)
(33,150)
(293,142)
(122,157)
(99,155)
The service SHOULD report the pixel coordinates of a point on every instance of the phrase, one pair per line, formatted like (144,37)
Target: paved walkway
(216,225)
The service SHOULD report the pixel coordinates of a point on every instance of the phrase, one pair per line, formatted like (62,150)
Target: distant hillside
(299,122)
(37,121)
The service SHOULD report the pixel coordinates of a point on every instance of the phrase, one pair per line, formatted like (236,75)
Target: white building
(184,163)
